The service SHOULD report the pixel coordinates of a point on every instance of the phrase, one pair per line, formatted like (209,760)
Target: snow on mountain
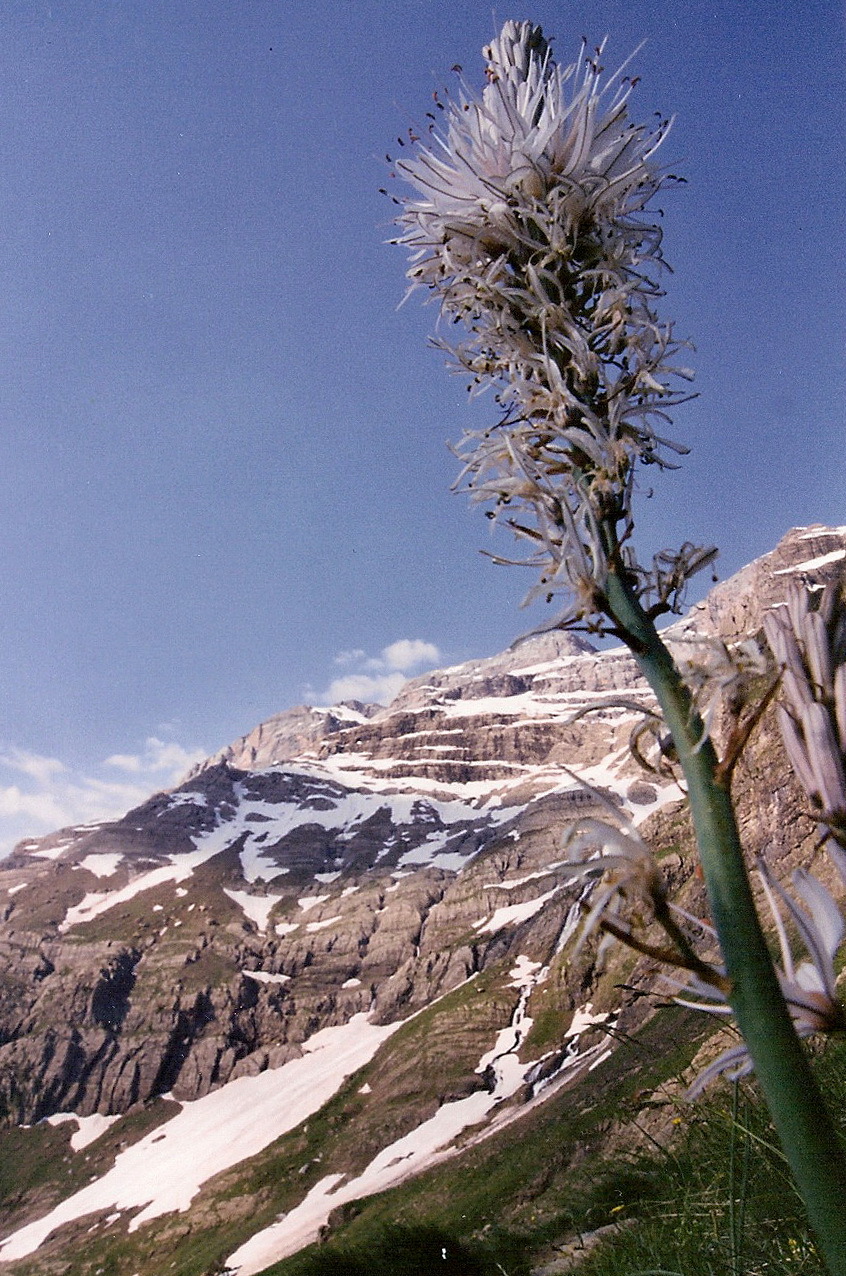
(221,1129)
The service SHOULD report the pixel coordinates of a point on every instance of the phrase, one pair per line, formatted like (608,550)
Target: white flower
(810,646)
(529,224)
(537,129)
(717,674)
(808,988)
(620,863)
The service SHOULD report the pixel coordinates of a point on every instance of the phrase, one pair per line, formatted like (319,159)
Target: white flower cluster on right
(807,637)
(808,987)
(809,644)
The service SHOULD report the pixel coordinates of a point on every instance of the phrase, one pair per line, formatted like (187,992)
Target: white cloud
(379,678)
(158,757)
(35,765)
(39,794)
(410,653)
(349,657)
(366,687)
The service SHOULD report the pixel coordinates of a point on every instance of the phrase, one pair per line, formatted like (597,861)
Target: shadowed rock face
(344,859)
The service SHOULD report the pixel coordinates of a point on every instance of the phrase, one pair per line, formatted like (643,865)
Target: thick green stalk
(781,1065)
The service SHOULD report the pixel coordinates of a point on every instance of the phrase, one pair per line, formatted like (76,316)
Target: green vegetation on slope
(715,1200)
(725,1202)
(511,1196)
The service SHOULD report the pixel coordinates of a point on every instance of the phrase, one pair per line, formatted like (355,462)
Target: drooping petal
(808,986)
(840,705)
(825,913)
(816,650)
(795,748)
(733,1063)
(821,930)
(824,757)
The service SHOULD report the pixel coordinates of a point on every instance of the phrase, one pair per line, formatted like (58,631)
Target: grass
(402,1251)
(716,1200)
(724,1202)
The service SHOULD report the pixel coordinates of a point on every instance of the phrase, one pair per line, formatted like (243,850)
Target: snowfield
(235,1122)
(422,1147)
(430,1142)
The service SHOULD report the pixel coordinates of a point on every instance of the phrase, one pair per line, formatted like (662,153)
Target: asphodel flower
(628,894)
(530,224)
(619,864)
(809,644)
(537,131)
(808,987)
(718,674)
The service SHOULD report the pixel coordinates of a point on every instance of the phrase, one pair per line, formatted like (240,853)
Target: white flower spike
(809,644)
(529,223)
(620,863)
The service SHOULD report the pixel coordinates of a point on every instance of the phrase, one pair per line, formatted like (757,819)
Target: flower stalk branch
(681,956)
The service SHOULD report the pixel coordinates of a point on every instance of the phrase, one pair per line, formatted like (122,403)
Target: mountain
(336,957)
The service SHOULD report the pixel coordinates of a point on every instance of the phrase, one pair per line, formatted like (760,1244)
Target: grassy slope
(535,1181)
(717,1200)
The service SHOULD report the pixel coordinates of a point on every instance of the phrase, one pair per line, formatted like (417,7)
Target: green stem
(781,1065)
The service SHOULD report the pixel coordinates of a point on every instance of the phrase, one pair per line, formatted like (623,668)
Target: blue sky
(224,485)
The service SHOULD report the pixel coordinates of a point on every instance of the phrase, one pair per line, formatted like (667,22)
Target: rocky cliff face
(351,875)
(349,861)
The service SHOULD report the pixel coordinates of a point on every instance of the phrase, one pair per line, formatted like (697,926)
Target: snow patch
(513,914)
(343,712)
(584,1018)
(52,853)
(188,798)
(257,907)
(310,901)
(812,564)
(811,533)
(89,1128)
(101,863)
(285,928)
(524,971)
(223,1128)
(256,864)
(328,921)
(180,868)
(530,877)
